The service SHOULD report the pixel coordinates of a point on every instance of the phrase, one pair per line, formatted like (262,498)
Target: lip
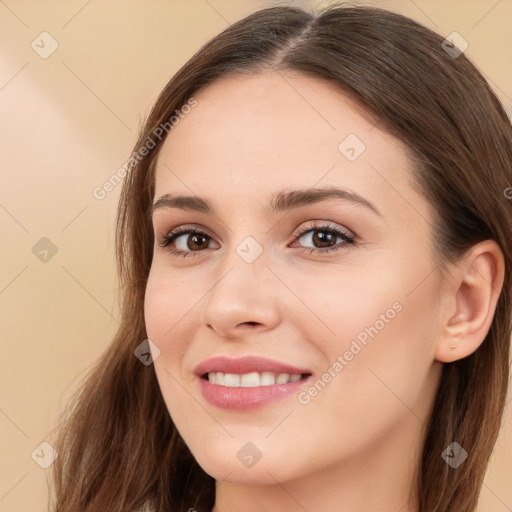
(247,398)
(246,364)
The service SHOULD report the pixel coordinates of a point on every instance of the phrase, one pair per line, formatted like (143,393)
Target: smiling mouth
(252,379)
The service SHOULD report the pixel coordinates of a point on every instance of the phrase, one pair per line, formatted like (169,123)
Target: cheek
(394,369)
(169,315)
(157,309)
(170,311)
(340,303)
(382,325)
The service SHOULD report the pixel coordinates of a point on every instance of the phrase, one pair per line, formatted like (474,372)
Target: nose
(244,298)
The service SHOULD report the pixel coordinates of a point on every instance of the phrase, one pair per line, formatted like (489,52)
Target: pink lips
(246,398)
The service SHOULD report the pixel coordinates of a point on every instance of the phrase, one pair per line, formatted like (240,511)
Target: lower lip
(243,399)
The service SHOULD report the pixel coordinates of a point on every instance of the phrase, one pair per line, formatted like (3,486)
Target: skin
(357,442)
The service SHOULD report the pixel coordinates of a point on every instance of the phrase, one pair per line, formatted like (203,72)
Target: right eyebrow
(192,203)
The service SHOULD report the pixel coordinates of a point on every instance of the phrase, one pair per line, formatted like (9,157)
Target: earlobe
(478,280)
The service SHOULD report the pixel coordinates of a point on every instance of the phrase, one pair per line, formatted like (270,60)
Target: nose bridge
(247,260)
(242,292)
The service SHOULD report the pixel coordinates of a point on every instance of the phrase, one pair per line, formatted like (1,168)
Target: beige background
(68,122)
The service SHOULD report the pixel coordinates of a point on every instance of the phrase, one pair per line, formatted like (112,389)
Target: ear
(473,294)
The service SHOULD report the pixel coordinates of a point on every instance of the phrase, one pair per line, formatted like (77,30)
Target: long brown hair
(118,447)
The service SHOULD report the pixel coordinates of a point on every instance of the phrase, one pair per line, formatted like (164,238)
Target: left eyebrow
(281,201)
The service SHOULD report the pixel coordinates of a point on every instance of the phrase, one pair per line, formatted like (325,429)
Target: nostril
(248,323)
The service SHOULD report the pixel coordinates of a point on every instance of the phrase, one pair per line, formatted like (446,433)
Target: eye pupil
(324,236)
(193,240)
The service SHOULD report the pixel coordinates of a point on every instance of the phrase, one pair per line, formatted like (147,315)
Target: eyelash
(175,233)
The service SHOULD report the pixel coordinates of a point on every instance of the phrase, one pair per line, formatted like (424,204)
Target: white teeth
(249,380)
(231,380)
(282,378)
(252,379)
(267,379)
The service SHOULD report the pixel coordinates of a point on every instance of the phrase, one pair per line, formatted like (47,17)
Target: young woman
(314,243)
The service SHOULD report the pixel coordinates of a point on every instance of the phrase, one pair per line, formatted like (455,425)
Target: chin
(262,472)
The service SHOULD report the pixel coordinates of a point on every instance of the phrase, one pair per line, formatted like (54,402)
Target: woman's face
(361,320)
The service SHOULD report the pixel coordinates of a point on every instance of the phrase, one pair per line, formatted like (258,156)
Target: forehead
(251,135)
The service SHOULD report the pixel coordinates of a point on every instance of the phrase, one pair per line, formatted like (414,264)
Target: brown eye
(195,242)
(186,241)
(324,238)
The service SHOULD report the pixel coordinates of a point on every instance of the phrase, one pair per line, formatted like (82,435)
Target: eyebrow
(280,202)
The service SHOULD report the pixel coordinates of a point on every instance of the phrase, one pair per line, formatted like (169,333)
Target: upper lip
(246,364)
